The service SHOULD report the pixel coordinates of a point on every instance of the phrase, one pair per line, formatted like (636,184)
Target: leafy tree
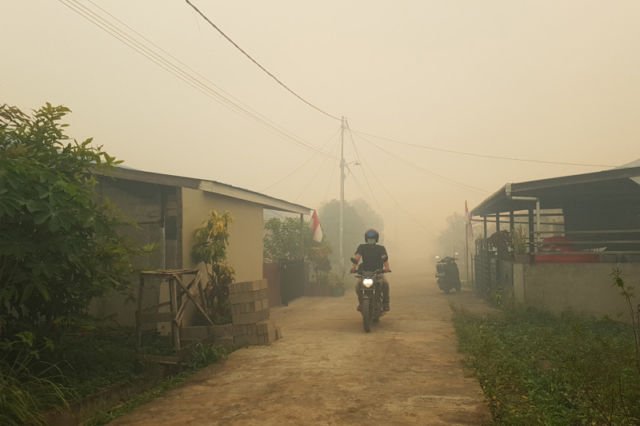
(283,238)
(59,245)
(210,247)
(358,217)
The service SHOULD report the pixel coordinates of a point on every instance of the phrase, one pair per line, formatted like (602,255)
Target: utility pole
(342,177)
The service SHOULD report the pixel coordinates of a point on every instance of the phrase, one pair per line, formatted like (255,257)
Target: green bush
(28,386)
(539,369)
(59,246)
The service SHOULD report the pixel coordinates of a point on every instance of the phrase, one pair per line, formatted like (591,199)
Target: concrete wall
(245,250)
(141,206)
(580,287)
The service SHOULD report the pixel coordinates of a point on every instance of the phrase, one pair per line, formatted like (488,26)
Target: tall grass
(28,386)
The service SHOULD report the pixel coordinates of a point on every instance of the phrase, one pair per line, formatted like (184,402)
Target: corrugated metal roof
(553,192)
(204,185)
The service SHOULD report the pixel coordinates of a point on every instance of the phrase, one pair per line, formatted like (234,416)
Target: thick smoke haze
(543,80)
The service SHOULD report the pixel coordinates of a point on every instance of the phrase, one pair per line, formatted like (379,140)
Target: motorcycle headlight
(367,282)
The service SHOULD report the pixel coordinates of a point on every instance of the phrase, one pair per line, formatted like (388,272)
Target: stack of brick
(224,335)
(250,314)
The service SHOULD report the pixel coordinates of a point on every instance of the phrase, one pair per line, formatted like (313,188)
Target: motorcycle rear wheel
(366,315)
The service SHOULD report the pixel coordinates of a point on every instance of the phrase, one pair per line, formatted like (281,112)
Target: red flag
(316,229)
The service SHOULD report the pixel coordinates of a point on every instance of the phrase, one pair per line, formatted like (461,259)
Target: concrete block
(247,286)
(250,317)
(226,342)
(222,331)
(248,296)
(249,307)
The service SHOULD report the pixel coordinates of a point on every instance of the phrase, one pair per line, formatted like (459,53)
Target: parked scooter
(448,274)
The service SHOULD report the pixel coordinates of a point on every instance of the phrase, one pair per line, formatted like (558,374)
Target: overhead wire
(362,189)
(475,154)
(399,206)
(333,175)
(160,60)
(258,64)
(313,177)
(301,165)
(364,174)
(424,170)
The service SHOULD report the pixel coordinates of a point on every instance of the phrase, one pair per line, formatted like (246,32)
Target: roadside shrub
(27,385)
(210,247)
(59,246)
(536,368)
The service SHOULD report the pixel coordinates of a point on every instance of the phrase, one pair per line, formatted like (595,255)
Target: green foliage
(204,354)
(539,369)
(283,238)
(358,217)
(95,357)
(59,247)
(634,314)
(27,385)
(201,356)
(210,247)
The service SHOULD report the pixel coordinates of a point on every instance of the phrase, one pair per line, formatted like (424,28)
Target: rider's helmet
(371,234)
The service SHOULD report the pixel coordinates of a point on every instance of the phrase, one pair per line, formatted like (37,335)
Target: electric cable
(474,154)
(313,177)
(288,175)
(161,61)
(333,175)
(417,167)
(258,63)
(365,196)
(218,88)
(397,203)
(364,174)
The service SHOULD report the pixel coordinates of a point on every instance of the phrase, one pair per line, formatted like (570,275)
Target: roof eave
(203,185)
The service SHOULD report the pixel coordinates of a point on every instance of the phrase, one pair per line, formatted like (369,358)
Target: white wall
(580,287)
(245,252)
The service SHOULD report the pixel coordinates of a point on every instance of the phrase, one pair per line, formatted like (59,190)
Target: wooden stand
(179,297)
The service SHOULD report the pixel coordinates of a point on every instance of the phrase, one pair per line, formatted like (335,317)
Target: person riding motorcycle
(374,257)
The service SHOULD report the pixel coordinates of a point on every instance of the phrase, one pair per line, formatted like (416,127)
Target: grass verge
(536,368)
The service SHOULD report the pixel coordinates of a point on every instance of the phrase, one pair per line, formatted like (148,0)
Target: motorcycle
(369,290)
(447,274)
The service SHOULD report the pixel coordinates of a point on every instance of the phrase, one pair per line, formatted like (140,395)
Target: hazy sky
(548,80)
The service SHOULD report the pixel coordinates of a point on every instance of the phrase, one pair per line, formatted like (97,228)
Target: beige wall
(585,288)
(246,230)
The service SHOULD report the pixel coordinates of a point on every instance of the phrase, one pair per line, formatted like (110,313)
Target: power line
(475,154)
(304,163)
(179,72)
(362,190)
(452,181)
(258,64)
(333,175)
(355,148)
(316,174)
(396,202)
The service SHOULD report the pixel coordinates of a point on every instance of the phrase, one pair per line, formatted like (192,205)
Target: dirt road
(327,371)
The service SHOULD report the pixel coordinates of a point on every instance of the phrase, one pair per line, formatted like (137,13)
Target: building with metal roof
(553,243)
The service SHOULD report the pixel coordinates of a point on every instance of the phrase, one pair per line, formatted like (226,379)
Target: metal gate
(485,269)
